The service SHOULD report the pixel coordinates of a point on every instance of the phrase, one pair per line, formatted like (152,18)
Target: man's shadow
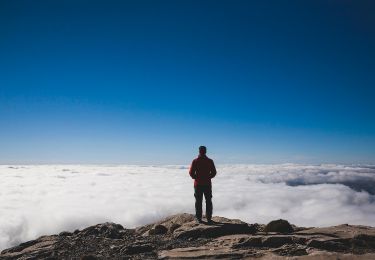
(213,223)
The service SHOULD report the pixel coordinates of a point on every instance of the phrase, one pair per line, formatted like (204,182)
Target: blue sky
(147,82)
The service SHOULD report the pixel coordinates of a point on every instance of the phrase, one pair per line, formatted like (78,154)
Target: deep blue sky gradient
(149,81)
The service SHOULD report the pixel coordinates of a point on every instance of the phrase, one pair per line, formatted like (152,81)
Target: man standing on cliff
(202,170)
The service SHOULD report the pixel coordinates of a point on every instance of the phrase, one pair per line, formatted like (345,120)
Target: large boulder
(108,230)
(279,226)
(167,225)
(220,227)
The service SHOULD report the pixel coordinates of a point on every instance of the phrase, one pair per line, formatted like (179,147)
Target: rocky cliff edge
(181,237)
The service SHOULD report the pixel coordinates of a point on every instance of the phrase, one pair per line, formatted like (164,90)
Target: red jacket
(202,170)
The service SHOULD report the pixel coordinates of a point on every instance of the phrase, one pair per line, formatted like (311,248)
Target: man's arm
(192,170)
(213,169)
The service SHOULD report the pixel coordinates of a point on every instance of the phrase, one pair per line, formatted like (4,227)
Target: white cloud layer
(37,200)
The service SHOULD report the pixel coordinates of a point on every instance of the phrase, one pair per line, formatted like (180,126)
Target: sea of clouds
(46,199)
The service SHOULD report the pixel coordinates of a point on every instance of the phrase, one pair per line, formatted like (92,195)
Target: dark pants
(199,191)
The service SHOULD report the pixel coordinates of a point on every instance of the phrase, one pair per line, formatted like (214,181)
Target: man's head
(202,150)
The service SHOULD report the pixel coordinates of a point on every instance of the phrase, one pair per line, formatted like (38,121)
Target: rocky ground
(180,237)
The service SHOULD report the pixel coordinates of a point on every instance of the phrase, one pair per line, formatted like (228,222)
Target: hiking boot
(198,220)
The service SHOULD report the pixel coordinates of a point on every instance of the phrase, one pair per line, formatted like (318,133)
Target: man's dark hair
(202,149)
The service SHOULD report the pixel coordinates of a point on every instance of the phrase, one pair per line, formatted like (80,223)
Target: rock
(253,241)
(65,234)
(276,241)
(42,246)
(299,239)
(109,230)
(90,231)
(279,226)
(220,227)
(173,227)
(341,231)
(290,250)
(158,230)
(329,245)
(171,223)
(364,240)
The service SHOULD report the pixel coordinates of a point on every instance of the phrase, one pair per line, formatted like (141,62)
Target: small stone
(65,234)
